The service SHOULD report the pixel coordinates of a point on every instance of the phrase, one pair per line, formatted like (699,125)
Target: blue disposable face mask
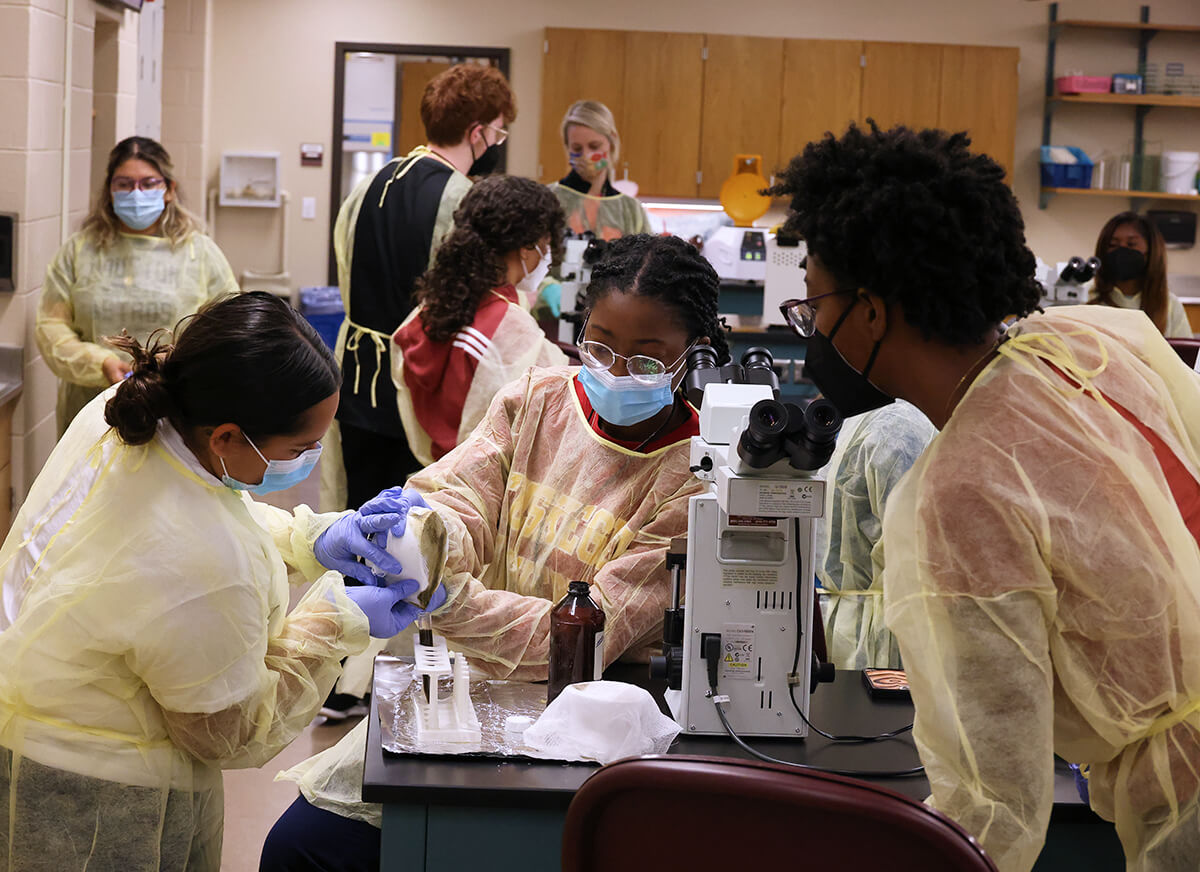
(138,209)
(622,400)
(280,474)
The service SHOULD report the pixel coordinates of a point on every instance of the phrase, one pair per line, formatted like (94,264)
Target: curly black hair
(667,269)
(499,214)
(917,218)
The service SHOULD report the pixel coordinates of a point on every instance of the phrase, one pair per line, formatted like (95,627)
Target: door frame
(498,56)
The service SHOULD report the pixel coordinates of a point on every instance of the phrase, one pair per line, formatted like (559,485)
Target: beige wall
(186,29)
(272,84)
(33,55)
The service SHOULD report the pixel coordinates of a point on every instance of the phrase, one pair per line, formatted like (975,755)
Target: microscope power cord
(793,677)
(851,773)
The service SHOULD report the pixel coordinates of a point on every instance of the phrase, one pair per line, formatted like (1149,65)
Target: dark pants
(374,462)
(309,839)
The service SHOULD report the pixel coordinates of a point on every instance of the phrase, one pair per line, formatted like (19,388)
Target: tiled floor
(254,800)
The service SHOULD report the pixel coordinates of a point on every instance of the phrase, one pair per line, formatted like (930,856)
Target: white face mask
(528,286)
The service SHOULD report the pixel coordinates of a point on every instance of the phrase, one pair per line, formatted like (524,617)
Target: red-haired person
(386,234)
(1133,273)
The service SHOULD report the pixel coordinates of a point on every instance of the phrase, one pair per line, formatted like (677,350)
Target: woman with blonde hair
(587,194)
(139,263)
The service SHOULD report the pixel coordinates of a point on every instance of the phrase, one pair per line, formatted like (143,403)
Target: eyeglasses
(124,184)
(642,367)
(503,134)
(802,316)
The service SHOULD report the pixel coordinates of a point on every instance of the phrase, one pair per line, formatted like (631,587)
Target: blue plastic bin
(322,308)
(1076,175)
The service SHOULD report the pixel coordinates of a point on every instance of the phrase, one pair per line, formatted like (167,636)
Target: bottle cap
(580,587)
(517,724)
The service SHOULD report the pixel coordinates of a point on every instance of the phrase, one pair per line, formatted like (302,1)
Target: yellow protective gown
(608,217)
(872,455)
(140,284)
(1045,590)
(1178,325)
(144,645)
(533,500)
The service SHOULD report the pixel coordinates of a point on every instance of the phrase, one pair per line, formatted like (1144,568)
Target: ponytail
(143,398)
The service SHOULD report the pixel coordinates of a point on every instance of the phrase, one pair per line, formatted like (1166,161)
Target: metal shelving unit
(1142,103)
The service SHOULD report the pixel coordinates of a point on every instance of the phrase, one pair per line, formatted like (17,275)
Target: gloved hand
(438,599)
(552,297)
(387,612)
(394,501)
(347,538)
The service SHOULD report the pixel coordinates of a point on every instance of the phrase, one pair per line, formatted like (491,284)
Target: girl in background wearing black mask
(1133,273)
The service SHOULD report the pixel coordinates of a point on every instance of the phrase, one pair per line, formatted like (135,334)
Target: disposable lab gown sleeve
(1178,325)
(987,746)
(872,456)
(291,674)
(295,533)
(69,357)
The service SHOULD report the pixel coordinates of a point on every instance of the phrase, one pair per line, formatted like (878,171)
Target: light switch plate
(308,207)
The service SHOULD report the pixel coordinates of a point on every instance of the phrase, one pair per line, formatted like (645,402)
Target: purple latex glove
(394,501)
(348,538)
(385,607)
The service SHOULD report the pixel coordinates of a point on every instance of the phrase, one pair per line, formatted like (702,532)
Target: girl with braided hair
(574,474)
(471,333)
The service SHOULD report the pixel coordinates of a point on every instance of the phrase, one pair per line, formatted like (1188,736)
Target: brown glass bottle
(576,640)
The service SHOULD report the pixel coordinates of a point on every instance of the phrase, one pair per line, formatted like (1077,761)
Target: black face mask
(1123,264)
(486,163)
(840,383)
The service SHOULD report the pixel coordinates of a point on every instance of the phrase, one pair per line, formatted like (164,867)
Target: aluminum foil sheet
(495,701)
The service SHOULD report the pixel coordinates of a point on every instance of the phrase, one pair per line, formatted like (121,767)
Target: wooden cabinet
(743,94)
(686,103)
(979,95)
(578,65)
(660,134)
(822,90)
(901,84)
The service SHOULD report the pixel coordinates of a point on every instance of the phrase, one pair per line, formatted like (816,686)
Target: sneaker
(342,706)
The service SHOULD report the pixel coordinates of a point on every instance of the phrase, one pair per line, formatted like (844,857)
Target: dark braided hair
(668,269)
(917,219)
(499,214)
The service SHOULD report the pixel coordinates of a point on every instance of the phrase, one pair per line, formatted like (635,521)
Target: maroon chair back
(718,814)
(1187,349)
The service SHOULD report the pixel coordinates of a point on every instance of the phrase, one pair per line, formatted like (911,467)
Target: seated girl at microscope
(1133,273)
(574,474)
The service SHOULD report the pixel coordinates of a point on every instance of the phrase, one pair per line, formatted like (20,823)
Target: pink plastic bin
(1083,84)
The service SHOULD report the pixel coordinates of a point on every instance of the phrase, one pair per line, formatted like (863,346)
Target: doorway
(376,109)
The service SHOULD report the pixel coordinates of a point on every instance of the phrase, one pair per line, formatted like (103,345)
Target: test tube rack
(444,720)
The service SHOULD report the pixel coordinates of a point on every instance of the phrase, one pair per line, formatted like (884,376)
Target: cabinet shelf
(1107,192)
(1179,101)
(1131,25)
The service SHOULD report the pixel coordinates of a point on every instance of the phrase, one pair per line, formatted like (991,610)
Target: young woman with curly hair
(1042,569)
(471,333)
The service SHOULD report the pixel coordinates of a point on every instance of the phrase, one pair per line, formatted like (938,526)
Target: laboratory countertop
(842,707)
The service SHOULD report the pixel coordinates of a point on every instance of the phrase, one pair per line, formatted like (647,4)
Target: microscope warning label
(795,498)
(749,576)
(737,651)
